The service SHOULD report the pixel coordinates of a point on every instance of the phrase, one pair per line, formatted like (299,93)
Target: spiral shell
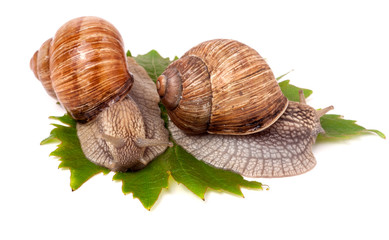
(84,67)
(221,87)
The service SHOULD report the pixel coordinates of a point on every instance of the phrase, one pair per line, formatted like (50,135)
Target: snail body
(85,68)
(284,149)
(131,131)
(267,136)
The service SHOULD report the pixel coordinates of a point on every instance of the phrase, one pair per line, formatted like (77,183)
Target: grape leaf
(198,176)
(337,128)
(153,63)
(146,184)
(70,154)
(291,92)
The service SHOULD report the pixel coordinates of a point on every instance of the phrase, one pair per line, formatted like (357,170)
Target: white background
(339,49)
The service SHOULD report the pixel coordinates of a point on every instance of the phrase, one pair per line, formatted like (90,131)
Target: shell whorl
(238,89)
(40,65)
(187,80)
(87,66)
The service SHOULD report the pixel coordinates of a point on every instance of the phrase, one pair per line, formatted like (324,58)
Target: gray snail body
(283,149)
(112,98)
(128,135)
(278,146)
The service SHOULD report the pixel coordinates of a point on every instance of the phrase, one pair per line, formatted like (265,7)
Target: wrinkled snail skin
(226,108)
(221,86)
(146,97)
(85,68)
(109,139)
(130,133)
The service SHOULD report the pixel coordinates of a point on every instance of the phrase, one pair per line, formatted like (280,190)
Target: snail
(226,108)
(111,97)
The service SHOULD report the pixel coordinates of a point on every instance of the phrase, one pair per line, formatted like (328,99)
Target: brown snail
(85,68)
(225,88)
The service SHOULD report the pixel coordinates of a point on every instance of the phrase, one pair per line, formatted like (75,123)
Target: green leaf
(291,92)
(198,176)
(337,128)
(147,184)
(153,63)
(380,134)
(70,154)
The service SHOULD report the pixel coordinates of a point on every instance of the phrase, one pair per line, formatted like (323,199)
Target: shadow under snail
(226,108)
(114,102)
(224,104)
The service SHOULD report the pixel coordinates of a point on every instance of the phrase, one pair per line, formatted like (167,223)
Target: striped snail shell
(85,68)
(221,87)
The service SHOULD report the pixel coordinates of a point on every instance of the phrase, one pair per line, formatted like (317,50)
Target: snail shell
(221,87)
(84,67)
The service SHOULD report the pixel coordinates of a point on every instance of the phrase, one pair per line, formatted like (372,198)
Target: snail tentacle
(118,142)
(302,97)
(322,112)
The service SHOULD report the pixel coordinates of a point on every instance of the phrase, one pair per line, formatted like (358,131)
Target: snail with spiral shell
(224,104)
(118,119)
(226,108)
